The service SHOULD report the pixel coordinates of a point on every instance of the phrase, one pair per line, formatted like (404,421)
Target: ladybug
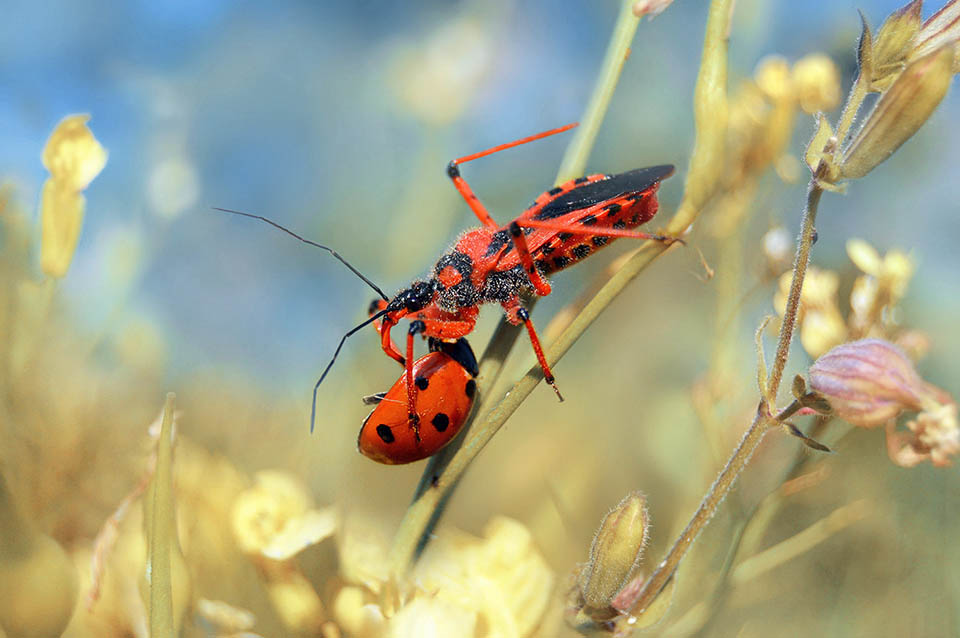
(444,391)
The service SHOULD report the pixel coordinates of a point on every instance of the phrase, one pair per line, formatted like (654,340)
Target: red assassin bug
(445,389)
(495,264)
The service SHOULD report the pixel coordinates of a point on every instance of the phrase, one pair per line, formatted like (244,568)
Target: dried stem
(762,422)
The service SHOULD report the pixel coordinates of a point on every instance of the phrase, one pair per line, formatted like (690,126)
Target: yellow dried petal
(300,532)
(822,330)
(898,268)
(816,80)
(270,509)
(224,616)
(61,219)
(864,256)
(815,149)
(901,111)
(432,618)
(297,603)
(72,154)
(894,43)
(355,613)
(773,77)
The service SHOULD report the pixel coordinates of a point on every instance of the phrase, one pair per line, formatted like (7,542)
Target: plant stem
(161,528)
(708,507)
(618,50)
(762,422)
(807,230)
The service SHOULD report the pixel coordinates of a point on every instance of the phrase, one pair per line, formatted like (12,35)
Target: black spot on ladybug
(546,249)
(555,191)
(635,220)
(589,220)
(580,251)
(385,433)
(619,224)
(600,240)
(561,262)
(580,180)
(421,382)
(440,421)
(565,236)
(612,209)
(471,388)
(543,265)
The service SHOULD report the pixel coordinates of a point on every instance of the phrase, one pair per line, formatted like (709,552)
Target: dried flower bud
(816,80)
(868,382)
(615,552)
(894,43)
(902,110)
(934,435)
(651,8)
(943,27)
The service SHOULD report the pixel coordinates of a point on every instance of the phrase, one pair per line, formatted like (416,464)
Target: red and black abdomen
(593,203)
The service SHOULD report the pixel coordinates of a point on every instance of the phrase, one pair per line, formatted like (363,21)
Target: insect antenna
(313,407)
(312,243)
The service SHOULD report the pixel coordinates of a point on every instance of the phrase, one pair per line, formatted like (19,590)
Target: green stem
(618,50)
(161,528)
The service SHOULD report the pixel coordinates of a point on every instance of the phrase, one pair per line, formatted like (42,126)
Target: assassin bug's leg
(453,172)
(387,343)
(582,229)
(412,418)
(518,314)
(536,279)
(376,306)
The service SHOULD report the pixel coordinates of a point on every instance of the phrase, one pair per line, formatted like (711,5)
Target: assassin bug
(495,264)
(445,390)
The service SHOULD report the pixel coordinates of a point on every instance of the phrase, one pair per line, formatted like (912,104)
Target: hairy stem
(762,422)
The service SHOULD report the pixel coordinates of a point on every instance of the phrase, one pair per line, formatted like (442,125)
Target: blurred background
(337,119)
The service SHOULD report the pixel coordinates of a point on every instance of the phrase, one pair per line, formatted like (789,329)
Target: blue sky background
(297,110)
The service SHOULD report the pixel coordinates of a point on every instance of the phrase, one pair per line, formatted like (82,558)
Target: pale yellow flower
(816,81)
(276,519)
(74,157)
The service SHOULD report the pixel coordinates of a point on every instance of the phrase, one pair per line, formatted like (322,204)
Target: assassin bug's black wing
(585,192)
(575,213)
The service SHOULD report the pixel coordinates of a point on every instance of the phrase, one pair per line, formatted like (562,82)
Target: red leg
(536,279)
(387,343)
(518,314)
(412,419)
(453,171)
(581,229)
